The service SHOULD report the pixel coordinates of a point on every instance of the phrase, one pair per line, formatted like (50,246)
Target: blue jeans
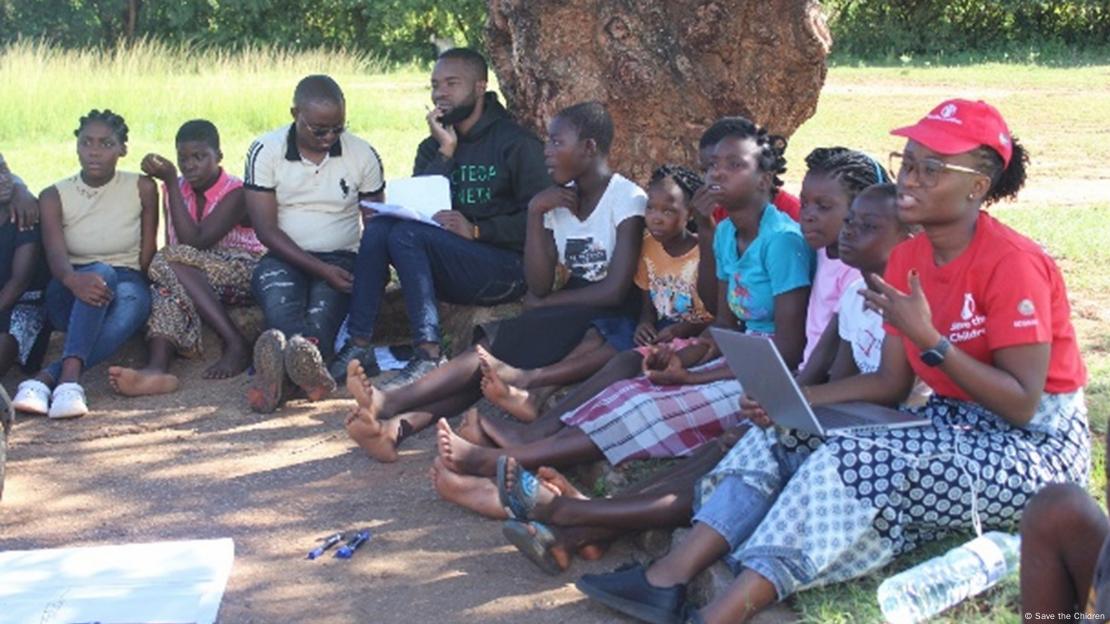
(296,302)
(94,333)
(433,265)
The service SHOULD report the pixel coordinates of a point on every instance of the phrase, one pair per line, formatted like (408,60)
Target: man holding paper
(474,256)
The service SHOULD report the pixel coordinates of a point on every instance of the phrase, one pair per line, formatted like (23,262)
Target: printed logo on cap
(1003,139)
(948,111)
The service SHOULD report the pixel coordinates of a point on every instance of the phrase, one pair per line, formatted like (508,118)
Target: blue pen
(329,541)
(351,546)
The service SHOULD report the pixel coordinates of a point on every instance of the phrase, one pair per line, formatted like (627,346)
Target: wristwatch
(935,356)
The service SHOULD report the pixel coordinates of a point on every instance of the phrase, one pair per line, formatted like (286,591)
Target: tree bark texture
(665,69)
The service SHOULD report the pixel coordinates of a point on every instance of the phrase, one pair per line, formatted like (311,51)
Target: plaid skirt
(636,419)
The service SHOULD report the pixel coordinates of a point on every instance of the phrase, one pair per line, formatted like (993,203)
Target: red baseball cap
(957,126)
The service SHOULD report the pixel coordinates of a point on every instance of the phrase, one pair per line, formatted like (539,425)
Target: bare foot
(470,429)
(477,494)
(235,359)
(358,384)
(556,481)
(517,402)
(509,374)
(507,433)
(141,382)
(462,456)
(378,439)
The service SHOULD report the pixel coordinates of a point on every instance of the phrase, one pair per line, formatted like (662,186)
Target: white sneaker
(32,397)
(68,401)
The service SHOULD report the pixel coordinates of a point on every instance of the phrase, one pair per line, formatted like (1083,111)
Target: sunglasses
(927,170)
(322,131)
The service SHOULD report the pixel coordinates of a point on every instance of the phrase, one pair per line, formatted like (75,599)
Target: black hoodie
(498,166)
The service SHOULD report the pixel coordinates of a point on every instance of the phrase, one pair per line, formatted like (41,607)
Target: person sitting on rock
(495,167)
(99,231)
(210,254)
(303,186)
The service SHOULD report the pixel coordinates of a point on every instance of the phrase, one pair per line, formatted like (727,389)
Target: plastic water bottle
(941,582)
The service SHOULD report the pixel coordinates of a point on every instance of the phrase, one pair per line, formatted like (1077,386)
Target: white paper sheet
(164,582)
(416,198)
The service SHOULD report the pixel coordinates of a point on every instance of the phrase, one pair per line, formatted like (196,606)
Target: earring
(970,196)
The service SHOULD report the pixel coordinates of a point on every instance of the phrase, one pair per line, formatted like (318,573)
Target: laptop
(756,362)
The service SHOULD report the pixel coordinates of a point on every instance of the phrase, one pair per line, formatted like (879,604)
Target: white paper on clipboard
(416,198)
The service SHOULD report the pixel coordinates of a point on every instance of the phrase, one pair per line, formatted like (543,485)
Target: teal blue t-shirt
(777,261)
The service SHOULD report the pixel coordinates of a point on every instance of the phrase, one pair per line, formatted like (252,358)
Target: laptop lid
(765,377)
(756,362)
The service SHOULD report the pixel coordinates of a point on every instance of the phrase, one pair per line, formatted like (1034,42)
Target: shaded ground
(198,464)
(274,484)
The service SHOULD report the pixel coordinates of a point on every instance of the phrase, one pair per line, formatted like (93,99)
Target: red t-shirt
(1002,291)
(784,201)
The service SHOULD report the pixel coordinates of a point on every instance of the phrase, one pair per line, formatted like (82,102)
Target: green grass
(1060,114)
(156,88)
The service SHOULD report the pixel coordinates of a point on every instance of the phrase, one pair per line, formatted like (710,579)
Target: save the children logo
(971,324)
(969,307)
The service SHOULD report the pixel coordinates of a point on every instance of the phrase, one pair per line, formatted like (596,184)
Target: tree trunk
(665,69)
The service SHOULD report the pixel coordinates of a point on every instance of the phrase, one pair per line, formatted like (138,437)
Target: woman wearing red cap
(976,310)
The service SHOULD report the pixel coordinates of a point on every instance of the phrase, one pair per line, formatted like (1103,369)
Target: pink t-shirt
(829,281)
(239,237)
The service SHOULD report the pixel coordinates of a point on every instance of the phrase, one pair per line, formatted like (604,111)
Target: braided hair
(683,177)
(108,118)
(1006,181)
(772,147)
(853,170)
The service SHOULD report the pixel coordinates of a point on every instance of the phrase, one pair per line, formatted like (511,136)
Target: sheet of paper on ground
(169,582)
(416,198)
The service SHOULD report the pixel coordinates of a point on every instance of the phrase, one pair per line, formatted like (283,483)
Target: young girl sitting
(211,252)
(671,309)
(98,229)
(981,314)
(591,224)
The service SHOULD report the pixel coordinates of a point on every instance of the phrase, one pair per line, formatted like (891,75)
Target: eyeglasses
(322,131)
(927,170)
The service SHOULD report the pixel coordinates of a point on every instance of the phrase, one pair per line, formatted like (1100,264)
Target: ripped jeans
(296,302)
(433,265)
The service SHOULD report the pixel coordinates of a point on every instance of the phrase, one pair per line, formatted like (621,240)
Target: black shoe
(418,366)
(351,351)
(627,590)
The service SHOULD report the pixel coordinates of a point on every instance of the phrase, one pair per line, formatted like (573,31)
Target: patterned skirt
(856,502)
(636,419)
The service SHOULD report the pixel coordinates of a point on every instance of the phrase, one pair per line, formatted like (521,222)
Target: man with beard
(474,258)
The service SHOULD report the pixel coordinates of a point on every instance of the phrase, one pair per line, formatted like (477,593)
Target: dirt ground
(199,464)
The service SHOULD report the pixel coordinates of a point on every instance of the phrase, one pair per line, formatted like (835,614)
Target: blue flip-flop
(520,500)
(536,546)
